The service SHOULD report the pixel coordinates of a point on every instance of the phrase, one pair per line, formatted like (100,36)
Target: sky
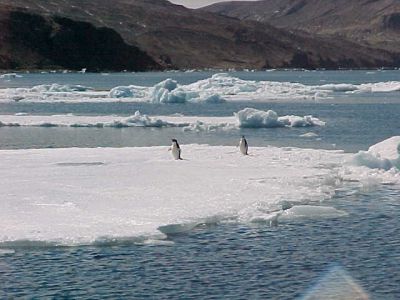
(198,3)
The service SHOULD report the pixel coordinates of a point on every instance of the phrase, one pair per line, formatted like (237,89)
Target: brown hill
(372,22)
(152,33)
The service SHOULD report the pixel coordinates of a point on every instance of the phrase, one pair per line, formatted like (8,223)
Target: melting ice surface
(82,196)
(218,88)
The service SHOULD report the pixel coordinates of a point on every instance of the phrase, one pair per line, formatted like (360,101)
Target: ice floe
(218,88)
(309,135)
(65,196)
(253,118)
(246,118)
(81,196)
(10,76)
(384,155)
(379,165)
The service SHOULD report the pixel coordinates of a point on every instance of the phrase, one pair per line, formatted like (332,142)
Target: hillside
(372,22)
(152,34)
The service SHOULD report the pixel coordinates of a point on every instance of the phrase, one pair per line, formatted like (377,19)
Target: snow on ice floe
(218,88)
(57,196)
(246,118)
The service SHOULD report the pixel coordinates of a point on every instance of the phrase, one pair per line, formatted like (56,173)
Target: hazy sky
(198,3)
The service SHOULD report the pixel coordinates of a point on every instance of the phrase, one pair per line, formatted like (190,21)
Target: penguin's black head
(242,136)
(174,140)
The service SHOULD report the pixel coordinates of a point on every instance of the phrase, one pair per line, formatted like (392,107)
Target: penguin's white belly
(176,153)
(243,148)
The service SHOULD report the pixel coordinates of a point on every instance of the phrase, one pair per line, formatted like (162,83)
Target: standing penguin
(176,150)
(243,146)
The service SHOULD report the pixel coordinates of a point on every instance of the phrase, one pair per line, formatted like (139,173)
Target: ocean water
(221,260)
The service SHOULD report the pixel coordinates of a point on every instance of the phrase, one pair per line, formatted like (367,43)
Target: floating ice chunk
(379,87)
(269,218)
(309,135)
(139,120)
(339,87)
(383,155)
(367,159)
(162,93)
(296,121)
(131,91)
(294,212)
(177,228)
(57,88)
(167,84)
(215,98)
(253,118)
(10,76)
(199,126)
(389,148)
(155,242)
(311,211)
(168,91)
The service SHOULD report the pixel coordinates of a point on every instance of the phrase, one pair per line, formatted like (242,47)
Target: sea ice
(248,117)
(10,76)
(253,118)
(131,91)
(218,88)
(383,155)
(309,135)
(80,196)
(311,211)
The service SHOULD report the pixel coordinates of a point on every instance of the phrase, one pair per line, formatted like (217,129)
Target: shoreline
(211,70)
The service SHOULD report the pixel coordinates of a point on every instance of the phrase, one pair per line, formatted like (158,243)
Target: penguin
(243,146)
(176,150)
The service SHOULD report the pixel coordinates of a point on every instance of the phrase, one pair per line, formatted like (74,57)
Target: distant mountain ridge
(372,22)
(156,34)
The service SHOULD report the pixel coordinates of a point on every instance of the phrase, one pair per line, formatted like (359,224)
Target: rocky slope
(149,34)
(372,22)
(34,41)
